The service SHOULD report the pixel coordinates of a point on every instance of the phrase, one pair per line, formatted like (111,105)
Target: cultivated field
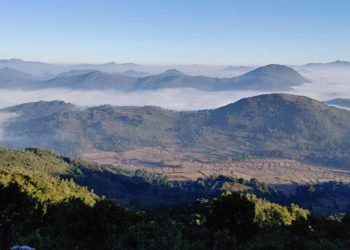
(189,165)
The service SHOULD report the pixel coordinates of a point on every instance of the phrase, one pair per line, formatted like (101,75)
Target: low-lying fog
(177,99)
(323,87)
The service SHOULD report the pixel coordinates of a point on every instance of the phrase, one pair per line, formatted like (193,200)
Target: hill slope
(37,173)
(276,125)
(11,78)
(42,211)
(270,77)
(90,80)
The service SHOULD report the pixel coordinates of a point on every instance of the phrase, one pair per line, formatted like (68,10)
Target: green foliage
(32,159)
(40,205)
(234,221)
(44,188)
(272,214)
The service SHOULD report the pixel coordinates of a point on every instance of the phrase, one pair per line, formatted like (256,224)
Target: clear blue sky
(176,31)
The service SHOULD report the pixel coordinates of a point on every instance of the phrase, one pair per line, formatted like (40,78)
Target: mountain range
(89,80)
(46,69)
(272,126)
(268,78)
(335,65)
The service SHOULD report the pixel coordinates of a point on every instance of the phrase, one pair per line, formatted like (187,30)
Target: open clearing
(191,166)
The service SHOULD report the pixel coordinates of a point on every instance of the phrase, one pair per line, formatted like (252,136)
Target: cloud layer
(177,99)
(4,118)
(324,86)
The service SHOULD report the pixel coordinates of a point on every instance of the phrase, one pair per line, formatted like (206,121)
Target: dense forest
(232,221)
(43,206)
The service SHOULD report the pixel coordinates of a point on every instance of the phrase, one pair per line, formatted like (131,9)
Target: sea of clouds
(323,87)
(176,99)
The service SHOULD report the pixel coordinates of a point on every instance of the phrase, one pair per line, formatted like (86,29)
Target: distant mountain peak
(41,108)
(15,60)
(270,77)
(273,69)
(340,62)
(239,68)
(274,66)
(110,63)
(334,64)
(172,72)
(272,100)
(11,60)
(340,102)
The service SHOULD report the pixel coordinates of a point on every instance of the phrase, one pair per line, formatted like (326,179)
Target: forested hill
(274,125)
(51,178)
(40,207)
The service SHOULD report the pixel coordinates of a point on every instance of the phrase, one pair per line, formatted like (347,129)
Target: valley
(283,174)
(174,125)
(278,139)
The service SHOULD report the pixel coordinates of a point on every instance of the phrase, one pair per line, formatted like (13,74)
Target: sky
(249,32)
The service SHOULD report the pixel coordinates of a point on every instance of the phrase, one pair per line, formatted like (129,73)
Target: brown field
(189,165)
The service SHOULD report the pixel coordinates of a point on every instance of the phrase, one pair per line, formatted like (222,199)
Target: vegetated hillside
(72,224)
(340,102)
(138,189)
(53,176)
(287,126)
(41,206)
(275,125)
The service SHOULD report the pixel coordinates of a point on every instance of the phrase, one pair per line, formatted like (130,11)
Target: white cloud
(4,118)
(177,99)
